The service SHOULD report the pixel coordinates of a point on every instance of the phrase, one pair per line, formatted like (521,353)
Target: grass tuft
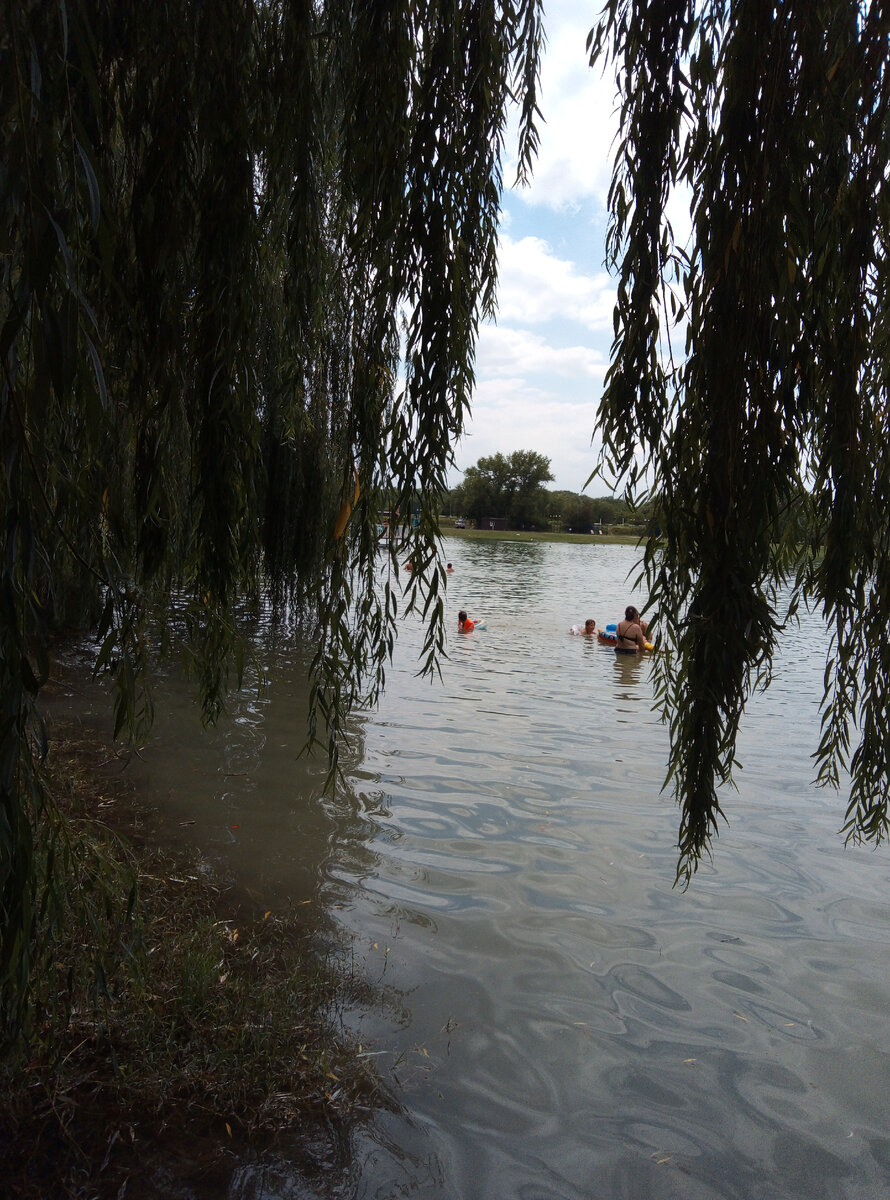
(191,1027)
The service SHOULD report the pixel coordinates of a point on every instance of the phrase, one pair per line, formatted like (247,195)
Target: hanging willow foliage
(245,248)
(748,384)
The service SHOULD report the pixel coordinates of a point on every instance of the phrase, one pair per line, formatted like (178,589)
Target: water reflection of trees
(502,563)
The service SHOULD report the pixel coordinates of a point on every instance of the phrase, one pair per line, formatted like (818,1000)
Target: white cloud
(679,213)
(533,395)
(535,286)
(540,368)
(510,353)
(578,103)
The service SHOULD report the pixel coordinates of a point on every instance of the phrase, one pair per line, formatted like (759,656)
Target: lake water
(560,1021)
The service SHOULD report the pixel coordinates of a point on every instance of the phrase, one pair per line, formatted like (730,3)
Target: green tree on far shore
(489,488)
(582,513)
(510,486)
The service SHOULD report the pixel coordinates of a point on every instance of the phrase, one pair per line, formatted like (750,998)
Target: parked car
(460,523)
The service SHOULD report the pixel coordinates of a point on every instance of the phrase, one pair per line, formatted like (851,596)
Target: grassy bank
(510,535)
(208,1031)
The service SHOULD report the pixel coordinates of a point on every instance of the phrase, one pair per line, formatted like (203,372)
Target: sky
(540,364)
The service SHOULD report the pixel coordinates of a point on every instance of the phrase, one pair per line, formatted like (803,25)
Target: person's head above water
(590,625)
(631,614)
(461,617)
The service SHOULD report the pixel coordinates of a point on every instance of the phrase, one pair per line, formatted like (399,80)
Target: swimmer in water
(450,569)
(631,631)
(464,624)
(589,628)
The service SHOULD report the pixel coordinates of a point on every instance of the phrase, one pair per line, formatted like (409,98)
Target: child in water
(464,624)
(589,628)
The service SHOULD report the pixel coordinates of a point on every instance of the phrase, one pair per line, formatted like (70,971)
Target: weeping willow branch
(773,120)
(246,249)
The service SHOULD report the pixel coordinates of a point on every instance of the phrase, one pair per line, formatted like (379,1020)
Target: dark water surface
(564,1023)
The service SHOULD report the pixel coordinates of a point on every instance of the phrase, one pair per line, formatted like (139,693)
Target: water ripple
(566,1023)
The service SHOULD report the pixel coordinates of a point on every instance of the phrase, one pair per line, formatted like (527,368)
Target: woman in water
(631,632)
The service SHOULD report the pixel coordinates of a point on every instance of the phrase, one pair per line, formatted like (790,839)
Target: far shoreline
(525,535)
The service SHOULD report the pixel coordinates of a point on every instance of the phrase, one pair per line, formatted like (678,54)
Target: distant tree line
(512,486)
